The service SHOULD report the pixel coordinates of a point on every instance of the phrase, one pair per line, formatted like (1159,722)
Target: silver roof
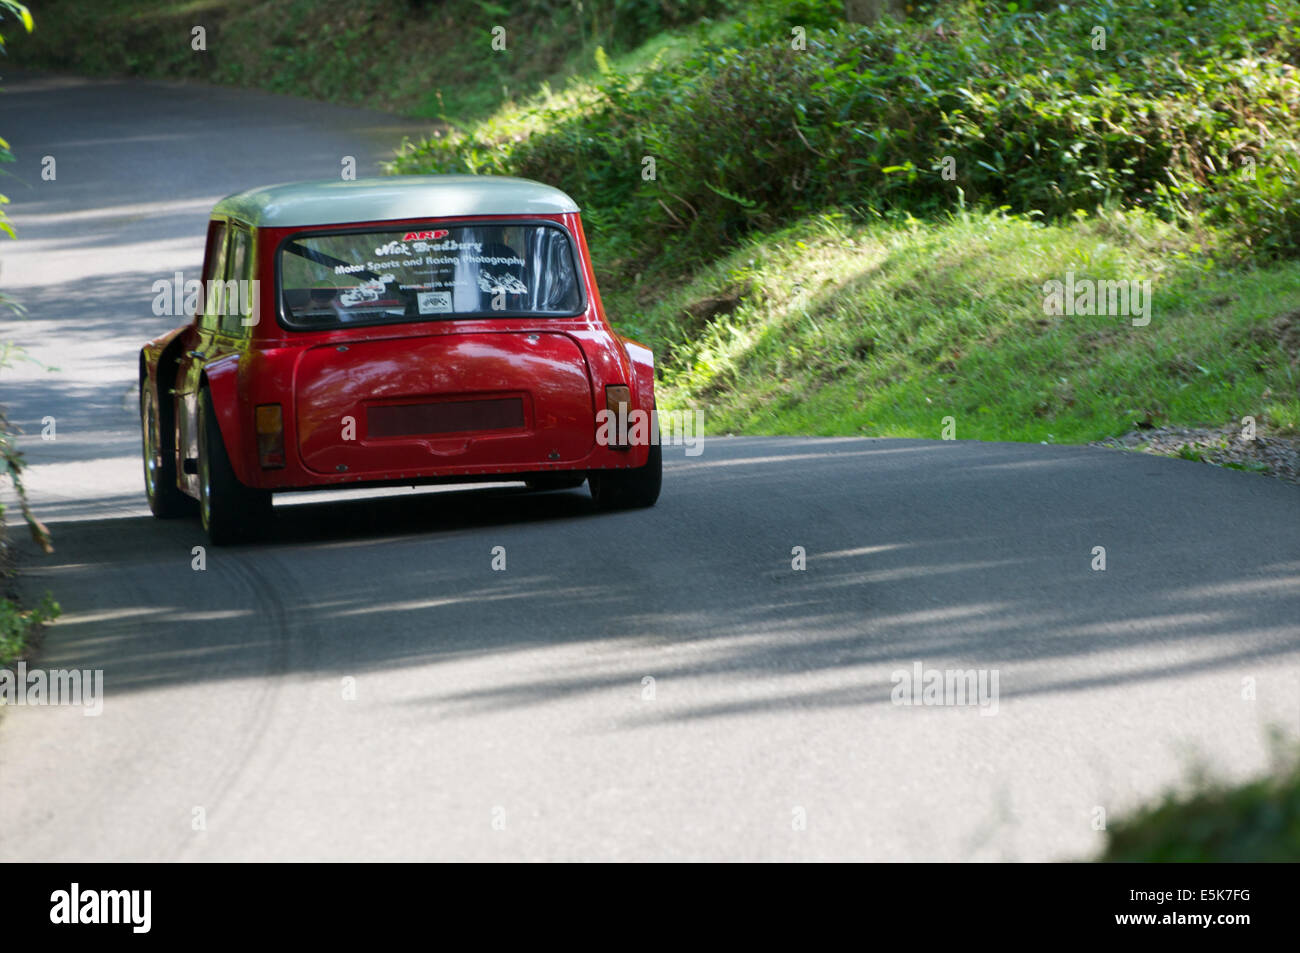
(336,201)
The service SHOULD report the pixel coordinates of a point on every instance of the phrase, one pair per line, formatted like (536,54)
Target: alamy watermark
(78,905)
(957,688)
(179,296)
(638,428)
(58,686)
(1088,296)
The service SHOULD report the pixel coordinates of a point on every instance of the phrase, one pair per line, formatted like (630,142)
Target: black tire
(557,481)
(166,501)
(628,489)
(230,511)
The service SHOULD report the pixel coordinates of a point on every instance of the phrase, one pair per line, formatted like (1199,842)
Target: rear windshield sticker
(364,293)
(495,284)
(434,302)
(401,248)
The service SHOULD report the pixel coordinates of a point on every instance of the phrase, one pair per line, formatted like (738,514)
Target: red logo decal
(424,236)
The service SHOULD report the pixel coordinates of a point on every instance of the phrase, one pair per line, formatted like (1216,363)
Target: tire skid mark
(262,736)
(233,570)
(245,581)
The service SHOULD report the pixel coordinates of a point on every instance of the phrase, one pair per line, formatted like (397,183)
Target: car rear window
(430,273)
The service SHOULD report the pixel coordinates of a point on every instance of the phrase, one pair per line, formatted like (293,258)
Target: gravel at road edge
(1273,455)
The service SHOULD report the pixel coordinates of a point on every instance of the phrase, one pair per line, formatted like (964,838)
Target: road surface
(366,686)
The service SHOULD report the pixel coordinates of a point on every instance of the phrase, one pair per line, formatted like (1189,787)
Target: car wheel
(166,501)
(557,481)
(626,489)
(230,511)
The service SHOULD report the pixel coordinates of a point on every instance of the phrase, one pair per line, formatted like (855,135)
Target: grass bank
(884,328)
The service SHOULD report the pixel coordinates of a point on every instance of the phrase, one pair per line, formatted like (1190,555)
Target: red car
(412,330)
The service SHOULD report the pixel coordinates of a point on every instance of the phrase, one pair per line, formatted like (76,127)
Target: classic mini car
(383,332)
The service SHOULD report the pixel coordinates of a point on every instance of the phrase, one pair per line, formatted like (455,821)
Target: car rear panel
(446,403)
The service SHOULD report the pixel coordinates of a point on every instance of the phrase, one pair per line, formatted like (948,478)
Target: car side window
(214,269)
(237,288)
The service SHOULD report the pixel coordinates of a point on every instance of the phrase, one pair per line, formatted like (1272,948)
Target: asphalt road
(507,714)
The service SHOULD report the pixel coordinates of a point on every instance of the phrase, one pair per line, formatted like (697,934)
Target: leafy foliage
(1185,110)
(17,625)
(1254,822)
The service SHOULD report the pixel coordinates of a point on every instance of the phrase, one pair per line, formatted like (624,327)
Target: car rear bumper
(297,477)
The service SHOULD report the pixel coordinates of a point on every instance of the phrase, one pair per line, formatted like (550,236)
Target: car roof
(339,201)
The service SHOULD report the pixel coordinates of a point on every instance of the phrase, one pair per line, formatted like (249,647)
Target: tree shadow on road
(954,555)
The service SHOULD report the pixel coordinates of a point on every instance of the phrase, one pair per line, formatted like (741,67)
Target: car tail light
(618,400)
(270,436)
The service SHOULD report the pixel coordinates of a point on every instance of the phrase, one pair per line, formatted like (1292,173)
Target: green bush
(632,22)
(16,625)
(1260,203)
(750,132)
(1255,822)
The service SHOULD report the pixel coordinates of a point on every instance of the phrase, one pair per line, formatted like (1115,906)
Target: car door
(199,350)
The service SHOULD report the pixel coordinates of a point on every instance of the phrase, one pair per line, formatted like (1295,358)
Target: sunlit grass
(885,329)
(481,112)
